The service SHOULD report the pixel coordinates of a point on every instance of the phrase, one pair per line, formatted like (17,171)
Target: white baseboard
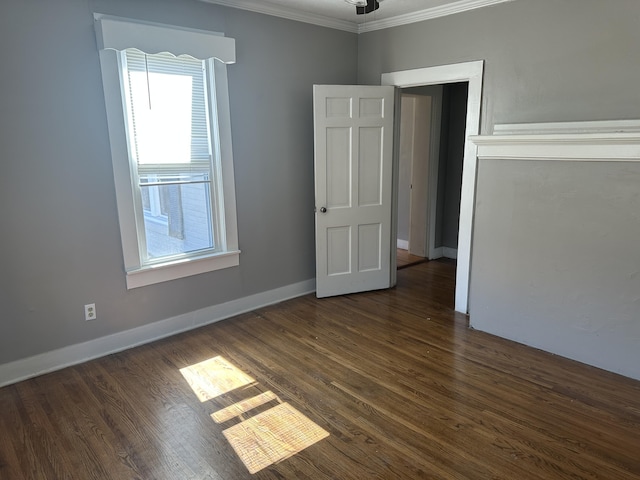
(446,252)
(403,244)
(74,354)
(449,252)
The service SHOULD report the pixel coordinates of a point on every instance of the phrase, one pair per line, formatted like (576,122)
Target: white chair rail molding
(556,263)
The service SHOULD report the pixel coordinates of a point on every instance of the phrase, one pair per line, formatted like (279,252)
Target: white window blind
(170,144)
(168,113)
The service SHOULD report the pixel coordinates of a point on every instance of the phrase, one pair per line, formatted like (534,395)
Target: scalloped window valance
(114,33)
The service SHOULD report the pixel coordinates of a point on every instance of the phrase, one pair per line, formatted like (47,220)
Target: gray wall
(60,238)
(556,263)
(545,60)
(454,108)
(536,276)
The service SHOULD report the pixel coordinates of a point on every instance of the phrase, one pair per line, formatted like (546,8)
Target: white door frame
(460,72)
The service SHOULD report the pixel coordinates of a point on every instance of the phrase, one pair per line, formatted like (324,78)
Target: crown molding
(289,13)
(353,27)
(427,14)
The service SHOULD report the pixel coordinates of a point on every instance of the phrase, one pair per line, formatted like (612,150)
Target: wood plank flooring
(405,259)
(403,387)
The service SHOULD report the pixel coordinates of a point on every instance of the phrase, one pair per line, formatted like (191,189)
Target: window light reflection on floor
(273,436)
(240,408)
(214,377)
(261,440)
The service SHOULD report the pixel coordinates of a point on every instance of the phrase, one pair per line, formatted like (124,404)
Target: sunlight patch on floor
(214,377)
(273,436)
(240,408)
(260,440)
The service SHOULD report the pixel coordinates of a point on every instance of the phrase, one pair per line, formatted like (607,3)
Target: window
(170,145)
(170,138)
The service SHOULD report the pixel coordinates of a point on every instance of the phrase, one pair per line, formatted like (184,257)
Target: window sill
(164,272)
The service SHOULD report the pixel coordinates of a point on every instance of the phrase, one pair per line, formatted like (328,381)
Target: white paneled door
(353,187)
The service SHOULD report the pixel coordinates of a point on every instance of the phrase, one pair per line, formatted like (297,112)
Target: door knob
(323,209)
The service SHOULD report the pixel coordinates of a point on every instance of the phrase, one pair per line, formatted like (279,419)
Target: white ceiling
(341,15)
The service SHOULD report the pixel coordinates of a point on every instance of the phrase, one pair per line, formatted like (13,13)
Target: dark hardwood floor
(405,259)
(402,386)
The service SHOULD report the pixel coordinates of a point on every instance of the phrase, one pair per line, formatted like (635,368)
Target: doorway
(431,152)
(470,72)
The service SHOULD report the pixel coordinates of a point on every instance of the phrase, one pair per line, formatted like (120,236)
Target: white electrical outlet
(90,311)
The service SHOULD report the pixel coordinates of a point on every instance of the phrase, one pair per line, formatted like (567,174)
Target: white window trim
(113,34)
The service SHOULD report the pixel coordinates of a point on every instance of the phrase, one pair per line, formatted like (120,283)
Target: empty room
(207,207)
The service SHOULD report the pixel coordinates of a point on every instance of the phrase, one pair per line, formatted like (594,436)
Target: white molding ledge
(606,126)
(579,141)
